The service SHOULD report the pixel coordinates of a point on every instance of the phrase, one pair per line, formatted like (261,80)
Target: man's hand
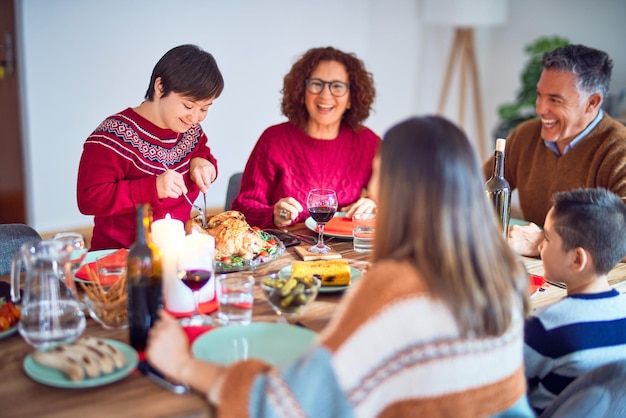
(525,239)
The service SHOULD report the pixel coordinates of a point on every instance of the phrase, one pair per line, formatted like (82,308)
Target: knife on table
(204,224)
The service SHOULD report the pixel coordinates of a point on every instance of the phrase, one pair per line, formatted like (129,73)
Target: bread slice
(87,357)
(330,272)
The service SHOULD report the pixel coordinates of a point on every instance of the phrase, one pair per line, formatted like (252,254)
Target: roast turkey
(233,235)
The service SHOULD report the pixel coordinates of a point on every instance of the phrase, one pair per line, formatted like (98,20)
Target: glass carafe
(51,311)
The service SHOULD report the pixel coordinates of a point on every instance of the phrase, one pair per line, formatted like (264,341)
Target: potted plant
(512,114)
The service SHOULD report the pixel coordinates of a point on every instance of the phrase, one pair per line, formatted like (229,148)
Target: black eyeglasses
(337,88)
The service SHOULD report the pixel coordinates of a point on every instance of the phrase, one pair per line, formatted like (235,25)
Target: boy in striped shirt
(585,237)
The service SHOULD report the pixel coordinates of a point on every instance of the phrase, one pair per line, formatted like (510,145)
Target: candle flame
(168,216)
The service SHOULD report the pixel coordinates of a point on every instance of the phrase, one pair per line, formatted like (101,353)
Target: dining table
(137,396)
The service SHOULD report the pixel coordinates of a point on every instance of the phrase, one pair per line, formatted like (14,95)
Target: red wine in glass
(322,205)
(322,214)
(196,279)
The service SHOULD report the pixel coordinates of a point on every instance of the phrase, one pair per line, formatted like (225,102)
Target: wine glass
(75,244)
(322,205)
(195,268)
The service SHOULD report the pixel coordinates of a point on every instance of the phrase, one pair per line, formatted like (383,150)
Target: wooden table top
(136,395)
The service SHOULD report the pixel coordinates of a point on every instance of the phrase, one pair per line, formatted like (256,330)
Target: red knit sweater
(287,162)
(118,170)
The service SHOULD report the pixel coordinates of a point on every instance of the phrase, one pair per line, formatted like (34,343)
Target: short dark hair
(592,67)
(593,219)
(189,71)
(362,90)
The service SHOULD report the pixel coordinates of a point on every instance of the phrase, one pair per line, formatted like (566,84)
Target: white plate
(312,225)
(276,344)
(355,274)
(51,377)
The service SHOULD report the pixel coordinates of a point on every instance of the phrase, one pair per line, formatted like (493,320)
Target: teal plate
(355,274)
(8,332)
(51,377)
(276,344)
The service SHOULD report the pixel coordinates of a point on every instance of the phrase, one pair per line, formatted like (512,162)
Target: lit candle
(167,235)
(167,231)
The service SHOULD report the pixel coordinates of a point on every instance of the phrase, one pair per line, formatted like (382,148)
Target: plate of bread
(335,275)
(238,246)
(85,363)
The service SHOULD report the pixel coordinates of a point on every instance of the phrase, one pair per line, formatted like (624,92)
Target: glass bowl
(111,315)
(289,296)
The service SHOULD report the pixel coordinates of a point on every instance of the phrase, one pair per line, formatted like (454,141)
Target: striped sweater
(570,337)
(390,350)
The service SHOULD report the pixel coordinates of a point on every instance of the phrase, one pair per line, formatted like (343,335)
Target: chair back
(234,183)
(12,236)
(598,393)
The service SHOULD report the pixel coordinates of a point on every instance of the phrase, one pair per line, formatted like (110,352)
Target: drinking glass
(195,268)
(322,205)
(75,243)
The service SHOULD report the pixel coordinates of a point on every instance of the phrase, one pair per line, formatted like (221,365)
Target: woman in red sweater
(153,153)
(327,95)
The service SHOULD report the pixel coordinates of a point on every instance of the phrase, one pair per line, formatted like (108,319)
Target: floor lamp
(464,16)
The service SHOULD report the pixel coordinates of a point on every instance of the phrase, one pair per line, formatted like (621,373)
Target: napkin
(339,225)
(536,283)
(82,271)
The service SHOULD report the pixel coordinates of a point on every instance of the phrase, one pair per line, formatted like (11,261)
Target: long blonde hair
(433,212)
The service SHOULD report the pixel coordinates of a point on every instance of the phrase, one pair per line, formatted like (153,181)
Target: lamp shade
(465,13)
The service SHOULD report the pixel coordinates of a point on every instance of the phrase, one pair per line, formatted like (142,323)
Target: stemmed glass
(75,244)
(322,205)
(195,268)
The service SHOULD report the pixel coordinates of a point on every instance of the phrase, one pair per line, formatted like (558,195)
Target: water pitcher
(51,311)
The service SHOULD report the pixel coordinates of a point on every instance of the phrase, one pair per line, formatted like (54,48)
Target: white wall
(84,60)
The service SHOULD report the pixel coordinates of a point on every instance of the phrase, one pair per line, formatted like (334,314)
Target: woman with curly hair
(327,95)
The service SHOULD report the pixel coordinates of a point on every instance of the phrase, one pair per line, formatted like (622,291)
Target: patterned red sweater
(118,170)
(287,162)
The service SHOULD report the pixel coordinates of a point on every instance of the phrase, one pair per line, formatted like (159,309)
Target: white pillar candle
(167,231)
(168,235)
(198,252)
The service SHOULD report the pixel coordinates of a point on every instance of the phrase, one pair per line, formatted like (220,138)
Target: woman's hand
(525,239)
(168,347)
(202,172)
(286,210)
(363,205)
(170,184)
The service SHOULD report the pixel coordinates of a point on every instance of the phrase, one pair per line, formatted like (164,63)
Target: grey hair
(592,67)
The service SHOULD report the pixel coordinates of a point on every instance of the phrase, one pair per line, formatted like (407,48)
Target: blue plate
(276,344)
